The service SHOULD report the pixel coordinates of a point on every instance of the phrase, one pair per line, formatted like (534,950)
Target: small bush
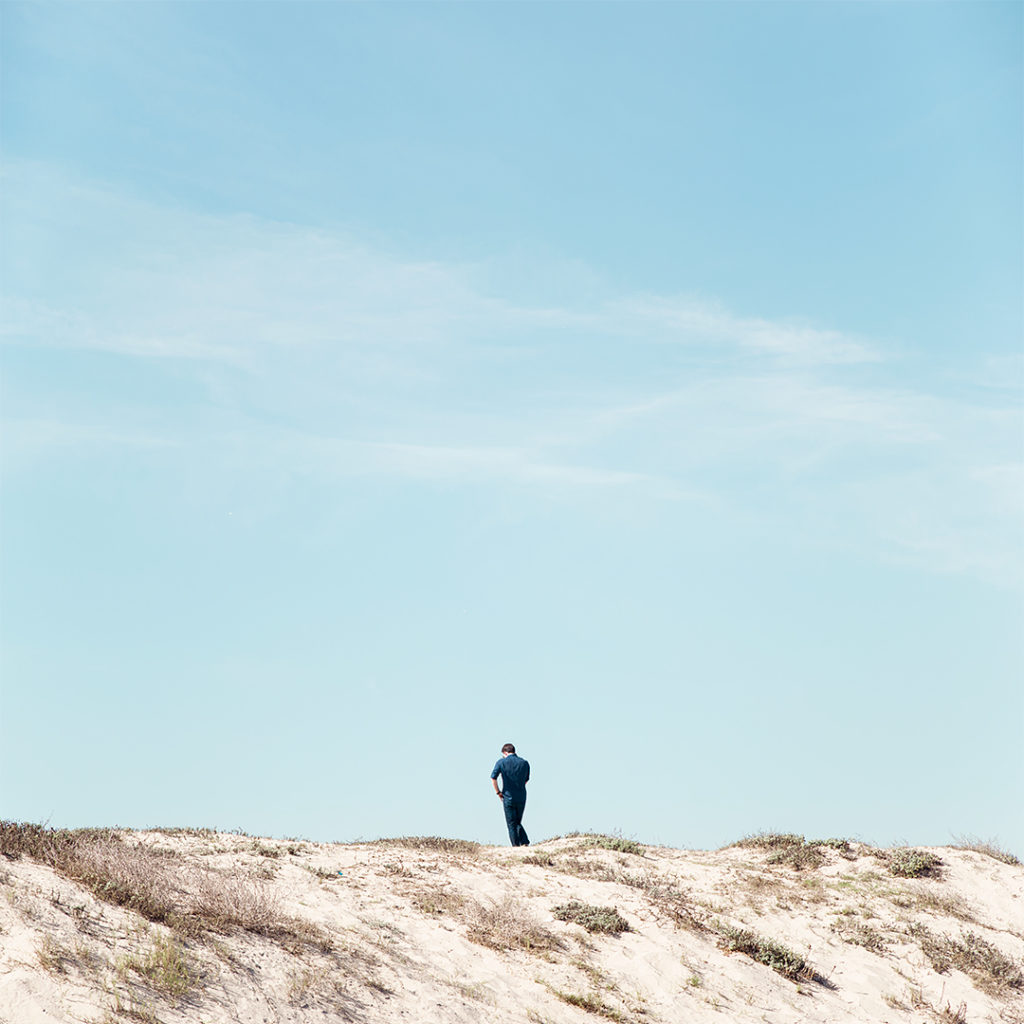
(594,919)
(910,863)
(770,840)
(785,848)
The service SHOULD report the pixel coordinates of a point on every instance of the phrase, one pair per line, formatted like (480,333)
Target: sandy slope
(402,933)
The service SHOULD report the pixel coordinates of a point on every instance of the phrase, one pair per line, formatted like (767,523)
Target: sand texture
(197,926)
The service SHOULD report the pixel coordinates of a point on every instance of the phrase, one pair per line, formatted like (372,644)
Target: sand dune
(196,926)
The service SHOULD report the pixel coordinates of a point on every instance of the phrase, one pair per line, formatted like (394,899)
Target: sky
(637,383)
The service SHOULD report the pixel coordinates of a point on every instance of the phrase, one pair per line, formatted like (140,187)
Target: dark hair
(509,748)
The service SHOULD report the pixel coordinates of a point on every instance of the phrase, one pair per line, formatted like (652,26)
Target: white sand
(398,920)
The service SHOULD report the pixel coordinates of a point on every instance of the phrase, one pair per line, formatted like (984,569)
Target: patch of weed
(616,843)
(591,1003)
(992,969)
(772,954)
(785,848)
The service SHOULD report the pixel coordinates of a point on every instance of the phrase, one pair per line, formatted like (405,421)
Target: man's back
(515,773)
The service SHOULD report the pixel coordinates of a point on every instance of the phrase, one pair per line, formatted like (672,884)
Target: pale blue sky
(638,383)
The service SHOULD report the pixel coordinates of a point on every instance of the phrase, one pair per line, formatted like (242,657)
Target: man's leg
(524,839)
(513,815)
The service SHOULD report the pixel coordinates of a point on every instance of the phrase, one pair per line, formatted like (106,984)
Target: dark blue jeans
(514,819)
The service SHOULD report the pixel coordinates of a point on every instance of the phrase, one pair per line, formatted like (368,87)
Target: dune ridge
(190,925)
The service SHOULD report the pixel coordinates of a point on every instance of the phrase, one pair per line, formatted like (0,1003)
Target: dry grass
(137,877)
(508,925)
(989,849)
(667,900)
(579,867)
(437,900)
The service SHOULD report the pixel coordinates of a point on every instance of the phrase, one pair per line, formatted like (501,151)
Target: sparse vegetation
(795,851)
(594,919)
(262,850)
(53,956)
(436,844)
(990,968)
(949,905)
(907,862)
(206,898)
(667,900)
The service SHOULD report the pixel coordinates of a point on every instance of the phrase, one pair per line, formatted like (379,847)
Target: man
(515,773)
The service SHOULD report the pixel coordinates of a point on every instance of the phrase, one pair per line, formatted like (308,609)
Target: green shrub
(616,843)
(910,863)
(594,919)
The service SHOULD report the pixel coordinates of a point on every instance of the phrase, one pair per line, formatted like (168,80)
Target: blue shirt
(515,773)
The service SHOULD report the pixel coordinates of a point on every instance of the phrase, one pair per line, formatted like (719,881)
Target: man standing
(515,773)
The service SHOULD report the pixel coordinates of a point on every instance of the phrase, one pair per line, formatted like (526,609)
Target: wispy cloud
(343,359)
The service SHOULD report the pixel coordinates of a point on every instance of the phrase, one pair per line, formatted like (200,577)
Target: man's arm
(494,779)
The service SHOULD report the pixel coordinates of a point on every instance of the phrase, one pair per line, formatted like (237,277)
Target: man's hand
(498,793)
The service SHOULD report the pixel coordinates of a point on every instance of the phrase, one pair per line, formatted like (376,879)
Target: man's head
(509,748)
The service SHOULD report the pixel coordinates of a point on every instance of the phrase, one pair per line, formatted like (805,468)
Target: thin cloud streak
(341,360)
